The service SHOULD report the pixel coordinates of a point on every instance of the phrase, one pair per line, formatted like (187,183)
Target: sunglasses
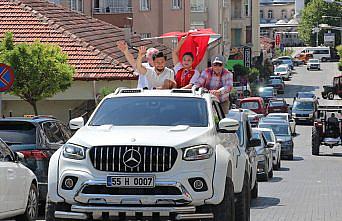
(217,65)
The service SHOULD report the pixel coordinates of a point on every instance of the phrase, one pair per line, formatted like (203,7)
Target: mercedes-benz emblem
(132,158)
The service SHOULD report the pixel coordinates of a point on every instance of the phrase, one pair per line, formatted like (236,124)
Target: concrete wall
(255,27)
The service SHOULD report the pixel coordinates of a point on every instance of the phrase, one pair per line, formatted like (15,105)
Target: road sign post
(6,81)
(247,57)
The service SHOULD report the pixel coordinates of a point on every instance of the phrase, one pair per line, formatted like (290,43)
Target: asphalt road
(308,188)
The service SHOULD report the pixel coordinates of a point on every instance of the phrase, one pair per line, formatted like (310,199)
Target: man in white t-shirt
(160,77)
(142,80)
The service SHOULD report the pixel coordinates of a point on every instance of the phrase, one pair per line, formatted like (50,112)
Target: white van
(321,53)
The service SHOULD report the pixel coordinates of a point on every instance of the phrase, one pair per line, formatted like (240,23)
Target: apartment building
(116,12)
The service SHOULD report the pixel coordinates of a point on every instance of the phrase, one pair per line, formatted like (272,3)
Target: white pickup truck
(151,153)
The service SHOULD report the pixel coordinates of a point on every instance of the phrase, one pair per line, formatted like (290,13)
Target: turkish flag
(196,43)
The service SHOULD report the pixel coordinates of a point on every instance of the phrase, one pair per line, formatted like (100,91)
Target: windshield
(268,136)
(256,135)
(303,105)
(278,129)
(313,61)
(305,95)
(250,105)
(266,93)
(286,61)
(276,103)
(282,117)
(152,111)
(16,132)
(280,69)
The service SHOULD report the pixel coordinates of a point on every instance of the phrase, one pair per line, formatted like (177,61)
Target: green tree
(41,70)
(312,16)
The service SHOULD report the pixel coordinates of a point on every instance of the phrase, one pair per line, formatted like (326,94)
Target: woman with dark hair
(185,75)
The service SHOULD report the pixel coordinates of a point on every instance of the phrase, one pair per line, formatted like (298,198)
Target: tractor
(327,129)
(336,89)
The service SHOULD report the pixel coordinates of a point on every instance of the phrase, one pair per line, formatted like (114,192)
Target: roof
(90,43)
(251,99)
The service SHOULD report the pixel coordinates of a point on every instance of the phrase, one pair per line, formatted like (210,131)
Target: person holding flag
(185,75)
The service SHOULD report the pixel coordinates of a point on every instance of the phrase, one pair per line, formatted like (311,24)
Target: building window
(197,25)
(145,35)
(270,14)
(112,6)
(176,4)
(145,5)
(197,6)
(247,10)
(237,9)
(55,1)
(283,14)
(261,13)
(76,5)
(236,37)
(225,3)
(248,34)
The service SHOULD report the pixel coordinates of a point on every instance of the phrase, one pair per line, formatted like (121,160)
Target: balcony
(112,10)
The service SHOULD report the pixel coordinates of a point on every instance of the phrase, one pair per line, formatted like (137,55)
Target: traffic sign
(6,77)
(247,56)
(277,40)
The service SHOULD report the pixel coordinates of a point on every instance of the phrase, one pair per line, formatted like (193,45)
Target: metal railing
(113,10)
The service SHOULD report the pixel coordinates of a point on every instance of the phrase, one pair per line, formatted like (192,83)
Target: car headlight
(200,152)
(75,152)
(310,115)
(293,114)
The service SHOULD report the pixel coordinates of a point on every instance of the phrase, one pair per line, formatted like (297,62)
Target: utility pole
(316,30)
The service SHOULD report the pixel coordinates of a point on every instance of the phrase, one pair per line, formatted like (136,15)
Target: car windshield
(303,105)
(278,129)
(313,61)
(152,111)
(266,93)
(275,81)
(280,69)
(287,61)
(305,95)
(256,135)
(268,136)
(250,105)
(16,132)
(276,103)
(282,117)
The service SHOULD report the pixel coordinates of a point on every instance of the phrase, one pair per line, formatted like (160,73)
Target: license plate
(131,181)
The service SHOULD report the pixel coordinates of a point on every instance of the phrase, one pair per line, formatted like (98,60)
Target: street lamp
(335,17)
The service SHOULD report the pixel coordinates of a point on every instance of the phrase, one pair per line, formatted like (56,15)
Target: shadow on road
(292,89)
(284,169)
(331,155)
(264,202)
(298,158)
(275,180)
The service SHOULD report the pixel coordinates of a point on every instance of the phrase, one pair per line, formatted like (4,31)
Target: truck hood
(176,136)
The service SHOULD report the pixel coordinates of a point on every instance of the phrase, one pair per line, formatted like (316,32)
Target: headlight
(75,152)
(200,152)
(293,114)
(310,115)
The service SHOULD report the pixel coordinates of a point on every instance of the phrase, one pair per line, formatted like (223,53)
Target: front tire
(255,190)
(330,96)
(31,211)
(270,174)
(315,143)
(242,206)
(226,209)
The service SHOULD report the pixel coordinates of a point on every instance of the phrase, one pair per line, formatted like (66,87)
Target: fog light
(198,184)
(69,182)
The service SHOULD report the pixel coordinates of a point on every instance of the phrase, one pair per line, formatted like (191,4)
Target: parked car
(329,91)
(304,57)
(177,153)
(37,138)
(275,147)
(287,117)
(278,85)
(264,156)
(18,187)
(281,129)
(283,71)
(255,104)
(304,110)
(313,64)
(253,117)
(284,60)
(276,77)
(244,134)
(267,93)
(277,106)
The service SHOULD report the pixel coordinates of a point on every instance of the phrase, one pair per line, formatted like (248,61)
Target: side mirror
(228,125)
(269,145)
(254,143)
(76,123)
(19,156)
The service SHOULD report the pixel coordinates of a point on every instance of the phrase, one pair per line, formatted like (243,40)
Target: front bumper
(82,212)
(286,150)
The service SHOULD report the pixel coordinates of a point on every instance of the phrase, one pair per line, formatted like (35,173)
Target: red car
(277,106)
(255,104)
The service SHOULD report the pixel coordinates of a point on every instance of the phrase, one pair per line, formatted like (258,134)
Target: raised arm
(140,68)
(123,47)
(175,52)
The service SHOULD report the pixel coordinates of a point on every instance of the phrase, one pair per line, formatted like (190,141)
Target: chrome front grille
(133,159)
